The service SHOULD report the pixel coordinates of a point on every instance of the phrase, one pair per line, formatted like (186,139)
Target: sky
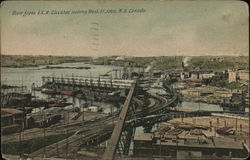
(162,28)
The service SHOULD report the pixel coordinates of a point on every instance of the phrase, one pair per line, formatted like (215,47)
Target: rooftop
(11,110)
(144,137)
(188,139)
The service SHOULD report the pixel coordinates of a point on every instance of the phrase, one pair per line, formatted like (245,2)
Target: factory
(182,144)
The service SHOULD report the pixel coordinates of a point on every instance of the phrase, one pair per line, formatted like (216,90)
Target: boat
(48,91)
(37,88)
(69,93)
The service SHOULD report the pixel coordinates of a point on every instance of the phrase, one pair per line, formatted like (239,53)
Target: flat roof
(11,110)
(192,141)
(227,143)
(144,137)
(218,143)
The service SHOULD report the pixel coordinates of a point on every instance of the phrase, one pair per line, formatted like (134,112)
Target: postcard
(127,80)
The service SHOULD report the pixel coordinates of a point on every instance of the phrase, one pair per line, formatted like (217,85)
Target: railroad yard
(136,116)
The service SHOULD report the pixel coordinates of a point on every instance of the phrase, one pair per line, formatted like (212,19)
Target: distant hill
(25,60)
(163,62)
(172,62)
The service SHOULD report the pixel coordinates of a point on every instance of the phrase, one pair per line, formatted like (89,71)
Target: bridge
(133,113)
(89,82)
(158,109)
(113,142)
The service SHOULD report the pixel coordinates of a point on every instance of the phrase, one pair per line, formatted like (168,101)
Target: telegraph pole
(44,147)
(20,137)
(67,144)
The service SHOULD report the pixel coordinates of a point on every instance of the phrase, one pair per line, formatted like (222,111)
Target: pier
(89,82)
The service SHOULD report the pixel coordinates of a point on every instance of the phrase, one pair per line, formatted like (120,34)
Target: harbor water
(26,76)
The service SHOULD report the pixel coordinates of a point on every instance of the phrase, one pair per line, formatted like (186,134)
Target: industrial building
(12,120)
(234,75)
(176,143)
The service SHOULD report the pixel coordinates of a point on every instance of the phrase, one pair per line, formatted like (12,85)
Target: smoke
(185,61)
(148,68)
(120,58)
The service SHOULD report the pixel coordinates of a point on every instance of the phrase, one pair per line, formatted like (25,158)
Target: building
(176,143)
(231,76)
(243,75)
(197,75)
(42,120)
(207,75)
(234,75)
(12,120)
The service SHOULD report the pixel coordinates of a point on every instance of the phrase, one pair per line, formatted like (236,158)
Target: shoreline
(35,65)
(16,61)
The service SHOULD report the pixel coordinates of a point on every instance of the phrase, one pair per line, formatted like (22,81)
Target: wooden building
(12,120)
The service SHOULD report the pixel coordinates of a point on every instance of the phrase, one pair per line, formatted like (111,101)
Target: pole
(22,84)
(160,144)
(236,124)
(44,135)
(67,144)
(20,137)
(57,151)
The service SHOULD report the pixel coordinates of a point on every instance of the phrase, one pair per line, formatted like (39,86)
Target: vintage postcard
(127,80)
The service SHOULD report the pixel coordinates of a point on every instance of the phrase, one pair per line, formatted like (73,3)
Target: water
(28,75)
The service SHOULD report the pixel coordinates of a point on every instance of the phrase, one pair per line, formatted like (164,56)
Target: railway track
(73,142)
(94,130)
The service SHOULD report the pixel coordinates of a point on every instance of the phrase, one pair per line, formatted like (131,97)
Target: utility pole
(44,147)
(57,151)
(67,144)
(20,137)
(111,85)
(116,74)
(83,117)
(33,89)
(160,144)
(236,124)
(22,84)
(120,74)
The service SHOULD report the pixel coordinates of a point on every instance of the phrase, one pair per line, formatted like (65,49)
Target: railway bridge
(129,115)
(90,82)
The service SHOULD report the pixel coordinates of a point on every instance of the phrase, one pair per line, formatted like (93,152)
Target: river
(28,75)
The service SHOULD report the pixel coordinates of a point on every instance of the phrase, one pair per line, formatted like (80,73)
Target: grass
(31,145)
